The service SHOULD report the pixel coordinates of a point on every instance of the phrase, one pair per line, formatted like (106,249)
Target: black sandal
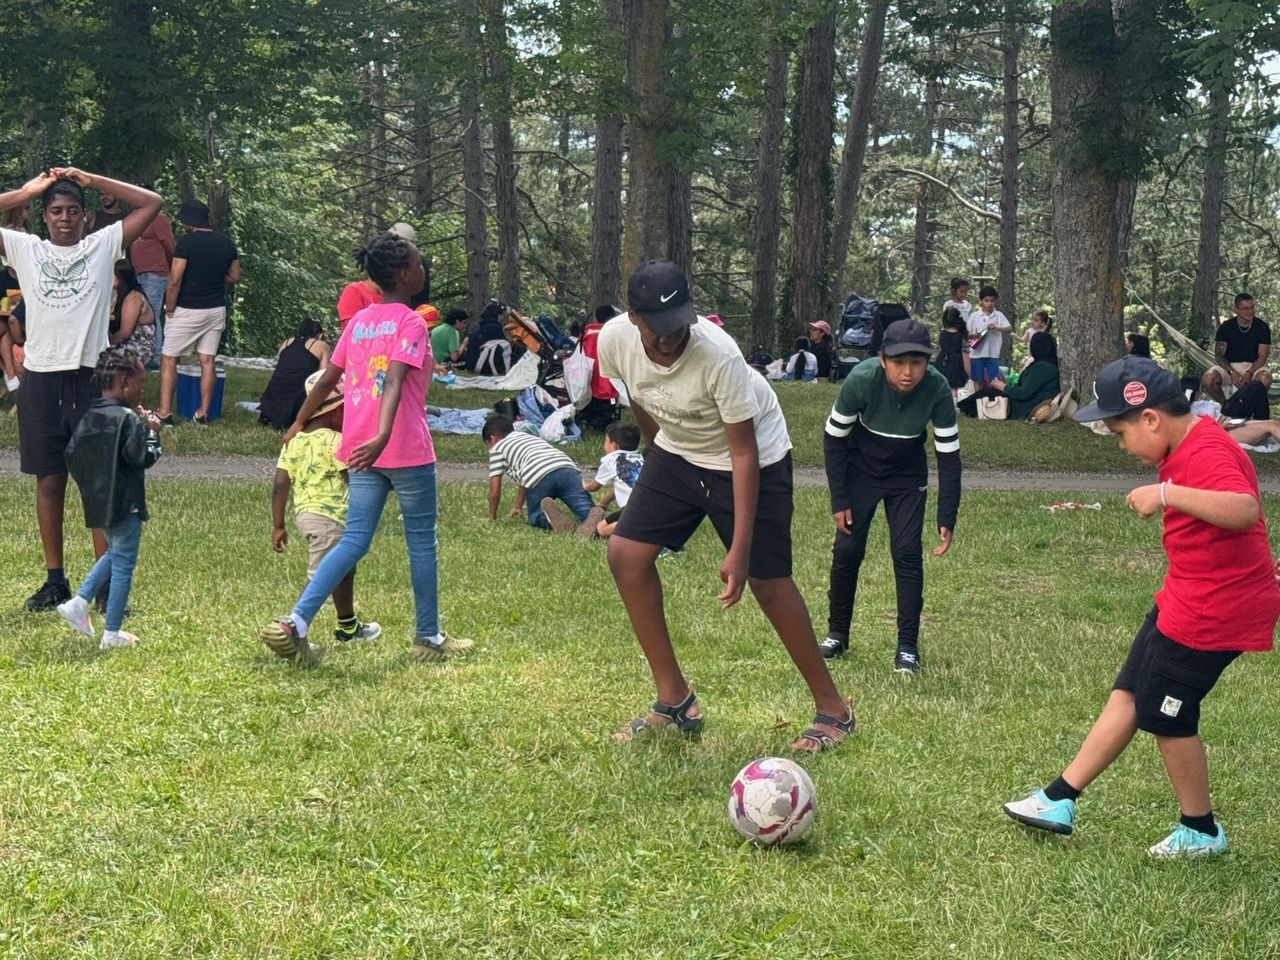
(823,739)
(676,717)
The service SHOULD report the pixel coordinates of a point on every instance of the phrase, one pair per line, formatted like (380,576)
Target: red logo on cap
(1135,393)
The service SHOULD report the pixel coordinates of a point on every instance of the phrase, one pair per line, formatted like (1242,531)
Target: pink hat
(715,318)
(823,326)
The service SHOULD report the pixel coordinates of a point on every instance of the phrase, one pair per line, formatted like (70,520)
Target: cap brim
(330,404)
(898,349)
(666,322)
(1092,412)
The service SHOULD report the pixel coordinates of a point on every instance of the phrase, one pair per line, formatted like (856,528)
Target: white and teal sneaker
(1185,842)
(1037,810)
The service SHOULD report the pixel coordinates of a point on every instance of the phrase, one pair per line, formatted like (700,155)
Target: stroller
(862,323)
(545,340)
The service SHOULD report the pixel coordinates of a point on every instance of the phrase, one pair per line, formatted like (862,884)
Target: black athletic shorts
(672,496)
(1168,680)
(50,406)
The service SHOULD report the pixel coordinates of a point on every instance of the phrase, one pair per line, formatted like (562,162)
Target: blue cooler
(189,393)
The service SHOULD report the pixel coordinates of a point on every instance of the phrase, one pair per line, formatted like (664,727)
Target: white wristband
(1164,502)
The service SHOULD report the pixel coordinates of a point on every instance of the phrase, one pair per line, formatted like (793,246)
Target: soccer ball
(772,801)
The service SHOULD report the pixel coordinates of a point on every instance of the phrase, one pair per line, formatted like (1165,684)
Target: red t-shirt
(1220,590)
(354,298)
(601,387)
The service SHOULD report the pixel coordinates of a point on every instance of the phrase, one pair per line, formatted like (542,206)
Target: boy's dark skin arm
(495,496)
(279,500)
(364,456)
(744,455)
(517,508)
(145,203)
(648,426)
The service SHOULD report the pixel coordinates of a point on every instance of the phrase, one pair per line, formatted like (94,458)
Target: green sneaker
(1185,842)
(425,651)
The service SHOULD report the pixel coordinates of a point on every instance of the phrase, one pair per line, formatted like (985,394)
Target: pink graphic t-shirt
(375,338)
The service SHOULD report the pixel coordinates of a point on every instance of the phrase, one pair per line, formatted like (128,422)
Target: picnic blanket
(523,374)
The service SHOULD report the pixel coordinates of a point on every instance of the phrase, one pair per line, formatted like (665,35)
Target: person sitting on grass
(718,448)
(108,456)
(297,359)
(1208,497)
(309,468)
(543,474)
(384,354)
(619,470)
(873,448)
(802,365)
(1040,381)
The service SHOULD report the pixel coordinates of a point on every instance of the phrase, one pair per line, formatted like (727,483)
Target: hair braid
(384,256)
(114,364)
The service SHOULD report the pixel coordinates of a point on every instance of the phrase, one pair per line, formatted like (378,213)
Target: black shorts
(50,406)
(672,496)
(1168,680)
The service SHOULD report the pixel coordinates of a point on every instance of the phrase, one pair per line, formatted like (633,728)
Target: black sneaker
(49,596)
(167,421)
(104,597)
(833,645)
(906,661)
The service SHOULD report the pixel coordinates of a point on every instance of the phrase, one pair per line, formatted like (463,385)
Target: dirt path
(262,468)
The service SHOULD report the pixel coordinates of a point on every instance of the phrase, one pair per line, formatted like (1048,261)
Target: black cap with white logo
(1130,383)
(906,336)
(659,292)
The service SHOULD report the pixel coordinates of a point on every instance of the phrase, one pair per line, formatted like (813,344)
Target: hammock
(1188,346)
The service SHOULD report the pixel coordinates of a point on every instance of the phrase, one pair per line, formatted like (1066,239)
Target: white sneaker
(1185,842)
(76,612)
(114,640)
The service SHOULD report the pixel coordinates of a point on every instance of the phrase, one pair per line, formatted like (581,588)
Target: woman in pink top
(383,359)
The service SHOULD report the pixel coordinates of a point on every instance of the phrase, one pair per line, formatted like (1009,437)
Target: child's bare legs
(1108,737)
(635,571)
(6,354)
(344,595)
(1255,431)
(605,529)
(781,602)
(1188,768)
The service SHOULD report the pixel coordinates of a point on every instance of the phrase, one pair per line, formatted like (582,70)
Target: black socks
(55,575)
(1061,790)
(1206,824)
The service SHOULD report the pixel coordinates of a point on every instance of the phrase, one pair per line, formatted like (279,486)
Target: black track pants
(904,510)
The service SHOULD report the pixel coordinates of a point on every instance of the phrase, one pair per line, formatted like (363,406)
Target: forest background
(1075,154)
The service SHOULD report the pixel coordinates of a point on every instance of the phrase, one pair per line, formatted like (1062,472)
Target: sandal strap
(827,720)
(678,714)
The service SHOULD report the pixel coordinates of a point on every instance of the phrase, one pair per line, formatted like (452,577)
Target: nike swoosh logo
(663,299)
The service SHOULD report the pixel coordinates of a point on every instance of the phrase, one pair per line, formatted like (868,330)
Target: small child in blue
(108,455)
(619,469)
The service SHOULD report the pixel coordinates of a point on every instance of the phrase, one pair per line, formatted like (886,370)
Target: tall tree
(1087,279)
(812,173)
(606,188)
(1010,42)
(855,140)
(648,185)
(1204,295)
(475,210)
(768,214)
(506,201)
(923,236)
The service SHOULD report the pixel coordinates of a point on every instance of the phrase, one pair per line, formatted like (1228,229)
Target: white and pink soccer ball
(772,801)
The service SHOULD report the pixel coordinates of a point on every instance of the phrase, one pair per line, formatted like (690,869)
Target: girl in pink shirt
(383,361)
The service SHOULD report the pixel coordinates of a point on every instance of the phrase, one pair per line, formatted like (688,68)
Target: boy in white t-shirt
(66,291)
(987,327)
(620,467)
(718,450)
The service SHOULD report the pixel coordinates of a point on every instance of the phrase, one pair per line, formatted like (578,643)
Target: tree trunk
(606,190)
(768,219)
(922,243)
(475,212)
(1204,296)
(1010,41)
(647,207)
(132,130)
(679,218)
(855,141)
(186,186)
(1088,284)
(1134,19)
(423,161)
(506,202)
(813,123)
(375,164)
(565,198)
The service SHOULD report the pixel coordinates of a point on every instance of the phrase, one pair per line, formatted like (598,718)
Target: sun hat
(330,402)
(194,213)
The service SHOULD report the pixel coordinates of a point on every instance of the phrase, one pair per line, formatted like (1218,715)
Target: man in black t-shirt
(1242,346)
(204,262)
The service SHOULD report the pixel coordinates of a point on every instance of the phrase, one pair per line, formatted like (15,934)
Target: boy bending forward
(1219,599)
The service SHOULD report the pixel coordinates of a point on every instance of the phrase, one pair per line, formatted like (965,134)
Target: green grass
(192,797)
(985,445)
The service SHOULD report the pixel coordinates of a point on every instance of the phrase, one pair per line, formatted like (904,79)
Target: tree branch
(921,175)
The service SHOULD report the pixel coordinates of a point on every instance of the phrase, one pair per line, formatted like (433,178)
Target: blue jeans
(153,288)
(982,370)
(415,488)
(116,567)
(564,484)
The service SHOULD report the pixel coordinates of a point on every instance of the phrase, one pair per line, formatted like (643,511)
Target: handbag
(993,408)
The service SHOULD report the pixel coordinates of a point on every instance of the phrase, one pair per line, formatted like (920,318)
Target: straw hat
(330,402)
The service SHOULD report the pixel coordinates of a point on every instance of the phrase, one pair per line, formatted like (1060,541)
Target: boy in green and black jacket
(874,451)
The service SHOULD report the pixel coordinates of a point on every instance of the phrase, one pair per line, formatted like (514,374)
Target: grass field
(985,445)
(194,798)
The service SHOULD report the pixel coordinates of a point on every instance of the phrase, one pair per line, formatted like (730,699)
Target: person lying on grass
(718,449)
(1219,599)
(309,468)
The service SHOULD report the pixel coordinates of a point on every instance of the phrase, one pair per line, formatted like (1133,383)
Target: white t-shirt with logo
(707,387)
(67,291)
(622,469)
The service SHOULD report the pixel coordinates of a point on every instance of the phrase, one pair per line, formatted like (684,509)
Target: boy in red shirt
(1219,599)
